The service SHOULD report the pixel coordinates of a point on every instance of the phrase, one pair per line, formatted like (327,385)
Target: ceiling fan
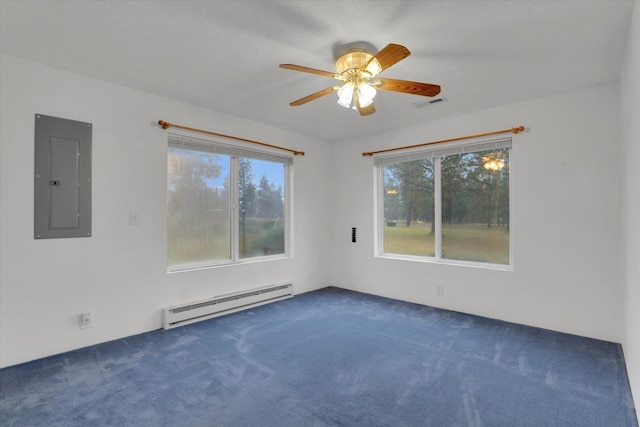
(358,69)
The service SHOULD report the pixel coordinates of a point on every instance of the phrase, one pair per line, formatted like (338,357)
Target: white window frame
(436,152)
(236,151)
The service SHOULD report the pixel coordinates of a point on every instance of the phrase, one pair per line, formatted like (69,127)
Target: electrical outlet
(440,290)
(86,320)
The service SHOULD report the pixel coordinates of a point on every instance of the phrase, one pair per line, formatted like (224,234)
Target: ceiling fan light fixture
(366,93)
(345,94)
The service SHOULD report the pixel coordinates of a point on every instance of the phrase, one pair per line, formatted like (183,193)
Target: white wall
(630,112)
(566,200)
(119,274)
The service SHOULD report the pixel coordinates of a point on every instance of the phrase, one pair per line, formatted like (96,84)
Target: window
(226,204)
(449,204)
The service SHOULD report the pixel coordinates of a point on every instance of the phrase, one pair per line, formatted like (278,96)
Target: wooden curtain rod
(166,125)
(512,130)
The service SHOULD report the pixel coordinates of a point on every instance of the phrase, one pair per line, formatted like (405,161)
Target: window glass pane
(261,207)
(199,220)
(475,206)
(409,208)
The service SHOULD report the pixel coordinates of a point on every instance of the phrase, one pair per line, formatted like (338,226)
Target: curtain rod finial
(518,129)
(164,124)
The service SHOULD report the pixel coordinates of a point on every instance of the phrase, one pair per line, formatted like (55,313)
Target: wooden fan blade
(365,111)
(311,71)
(313,96)
(391,54)
(405,86)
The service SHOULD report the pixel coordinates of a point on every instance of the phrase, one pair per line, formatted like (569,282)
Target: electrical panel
(62,192)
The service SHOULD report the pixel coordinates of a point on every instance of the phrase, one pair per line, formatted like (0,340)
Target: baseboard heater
(185,314)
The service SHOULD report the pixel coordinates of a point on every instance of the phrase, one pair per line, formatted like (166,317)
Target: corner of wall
(630,128)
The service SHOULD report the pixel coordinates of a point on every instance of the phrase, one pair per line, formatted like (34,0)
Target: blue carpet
(328,358)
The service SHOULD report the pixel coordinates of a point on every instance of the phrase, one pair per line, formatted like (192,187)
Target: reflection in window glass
(261,202)
(409,208)
(198,221)
(448,206)
(475,207)
(223,207)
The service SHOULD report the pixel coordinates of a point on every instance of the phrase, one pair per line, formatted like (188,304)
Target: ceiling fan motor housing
(352,62)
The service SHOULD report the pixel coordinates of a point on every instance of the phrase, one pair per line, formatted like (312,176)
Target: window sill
(227,263)
(456,263)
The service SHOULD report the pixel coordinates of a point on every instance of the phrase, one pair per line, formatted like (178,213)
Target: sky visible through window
(259,168)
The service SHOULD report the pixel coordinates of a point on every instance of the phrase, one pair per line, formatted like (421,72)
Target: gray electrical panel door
(62,204)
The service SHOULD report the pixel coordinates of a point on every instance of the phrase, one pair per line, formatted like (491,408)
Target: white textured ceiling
(225,54)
